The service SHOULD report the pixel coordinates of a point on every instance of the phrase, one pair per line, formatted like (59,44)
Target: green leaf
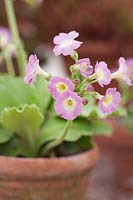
(5,135)
(91,110)
(87,109)
(10,148)
(71,148)
(99,127)
(22,120)
(43,94)
(53,129)
(80,127)
(121,112)
(14,92)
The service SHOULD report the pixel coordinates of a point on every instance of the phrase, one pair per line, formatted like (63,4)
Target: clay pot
(119,147)
(46,178)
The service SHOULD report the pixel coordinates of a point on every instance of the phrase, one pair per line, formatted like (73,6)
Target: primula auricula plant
(43,115)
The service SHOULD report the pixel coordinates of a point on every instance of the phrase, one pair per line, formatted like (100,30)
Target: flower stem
(115,75)
(9,62)
(57,142)
(45,74)
(21,55)
(85,85)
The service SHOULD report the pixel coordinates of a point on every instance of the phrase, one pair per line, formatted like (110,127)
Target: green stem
(57,142)
(27,141)
(9,62)
(84,87)
(21,55)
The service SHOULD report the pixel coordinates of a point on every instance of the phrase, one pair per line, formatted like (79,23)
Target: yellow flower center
(84,66)
(100,75)
(107,100)
(69,104)
(66,43)
(61,87)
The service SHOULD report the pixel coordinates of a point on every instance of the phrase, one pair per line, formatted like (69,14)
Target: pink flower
(110,102)
(90,88)
(122,72)
(66,43)
(68,105)
(85,68)
(5,37)
(129,63)
(103,74)
(6,41)
(32,69)
(123,69)
(59,85)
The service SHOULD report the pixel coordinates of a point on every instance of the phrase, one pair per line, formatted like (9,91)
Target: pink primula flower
(66,43)
(122,72)
(32,69)
(103,74)
(68,105)
(129,63)
(85,68)
(110,102)
(5,37)
(59,85)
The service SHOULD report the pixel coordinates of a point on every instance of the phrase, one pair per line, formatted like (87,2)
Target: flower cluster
(72,94)
(67,102)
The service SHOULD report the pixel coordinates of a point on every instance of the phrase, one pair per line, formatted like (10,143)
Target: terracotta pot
(46,178)
(120,149)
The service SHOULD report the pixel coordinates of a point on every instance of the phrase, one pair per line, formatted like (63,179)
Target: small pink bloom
(129,63)
(32,69)
(103,74)
(123,70)
(66,43)
(5,37)
(59,85)
(6,41)
(110,102)
(85,68)
(90,88)
(68,105)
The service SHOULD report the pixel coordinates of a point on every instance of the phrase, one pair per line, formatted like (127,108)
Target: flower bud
(76,81)
(74,56)
(85,101)
(74,68)
(90,88)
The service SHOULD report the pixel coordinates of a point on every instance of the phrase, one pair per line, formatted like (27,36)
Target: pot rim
(47,168)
